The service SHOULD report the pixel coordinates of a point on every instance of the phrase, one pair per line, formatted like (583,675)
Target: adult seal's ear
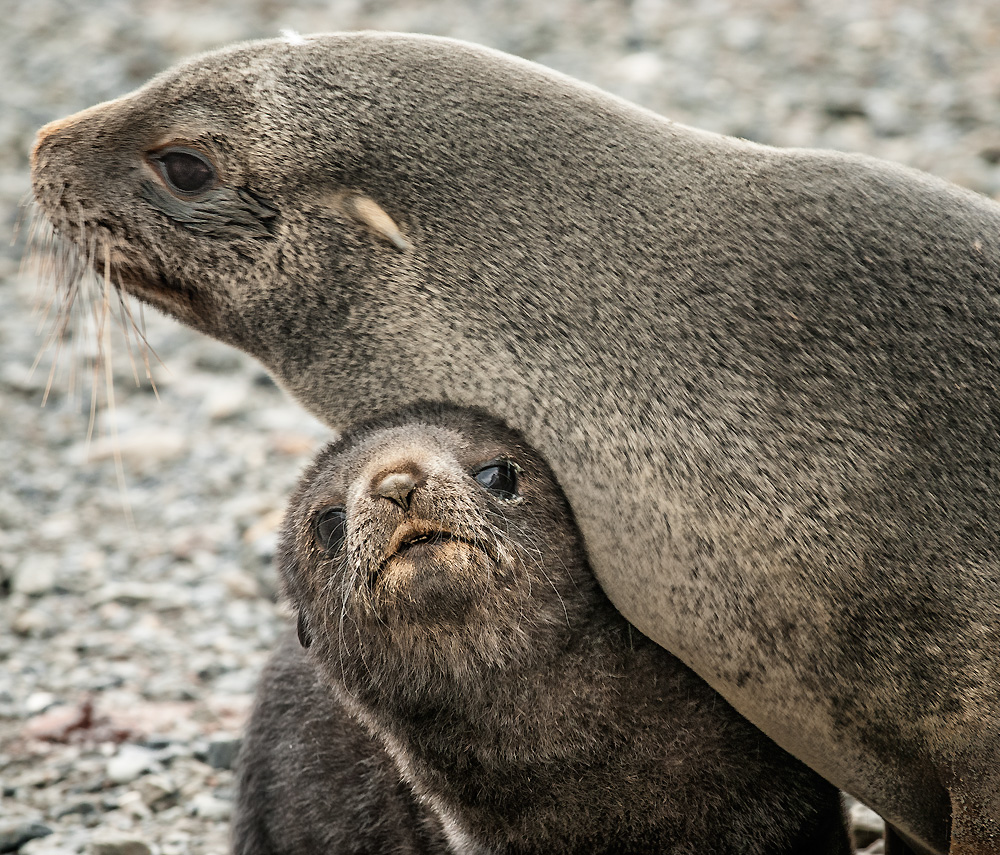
(766,379)
(370,214)
(305,639)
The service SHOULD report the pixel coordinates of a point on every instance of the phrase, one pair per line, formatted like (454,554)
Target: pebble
(158,792)
(129,763)
(44,846)
(131,805)
(241,584)
(84,809)
(13,835)
(867,826)
(208,806)
(39,702)
(116,844)
(142,450)
(161,595)
(222,751)
(36,575)
(30,622)
(149,591)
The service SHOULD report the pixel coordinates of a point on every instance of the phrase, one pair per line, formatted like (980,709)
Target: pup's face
(437,548)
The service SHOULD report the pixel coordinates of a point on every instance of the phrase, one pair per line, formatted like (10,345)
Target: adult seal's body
(446,602)
(766,379)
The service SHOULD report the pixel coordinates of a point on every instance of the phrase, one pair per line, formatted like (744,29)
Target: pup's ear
(305,639)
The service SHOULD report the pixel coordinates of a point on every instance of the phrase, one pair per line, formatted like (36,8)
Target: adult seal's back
(766,379)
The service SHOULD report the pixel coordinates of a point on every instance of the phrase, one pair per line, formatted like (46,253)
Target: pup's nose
(397,487)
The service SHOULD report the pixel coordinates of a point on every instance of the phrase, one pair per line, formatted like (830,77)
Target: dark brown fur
(311,779)
(776,371)
(525,712)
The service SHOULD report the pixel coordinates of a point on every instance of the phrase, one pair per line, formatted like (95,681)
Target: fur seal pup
(446,602)
(766,379)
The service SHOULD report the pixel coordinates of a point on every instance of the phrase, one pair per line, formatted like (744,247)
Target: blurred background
(134,619)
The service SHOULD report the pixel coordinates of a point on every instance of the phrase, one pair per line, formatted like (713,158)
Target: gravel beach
(137,601)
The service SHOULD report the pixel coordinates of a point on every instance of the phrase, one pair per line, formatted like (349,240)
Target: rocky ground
(136,602)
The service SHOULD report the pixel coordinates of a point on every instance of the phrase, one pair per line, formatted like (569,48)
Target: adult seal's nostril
(397,487)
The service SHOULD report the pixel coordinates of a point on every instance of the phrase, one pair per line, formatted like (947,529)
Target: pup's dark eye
(331,528)
(186,171)
(499,479)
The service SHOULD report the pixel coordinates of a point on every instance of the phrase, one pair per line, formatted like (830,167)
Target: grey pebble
(118,844)
(866,825)
(222,751)
(158,792)
(129,763)
(83,809)
(36,575)
(207,806)
(13,835)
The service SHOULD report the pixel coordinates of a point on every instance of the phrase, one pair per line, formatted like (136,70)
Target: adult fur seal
(446,602)
(766,379)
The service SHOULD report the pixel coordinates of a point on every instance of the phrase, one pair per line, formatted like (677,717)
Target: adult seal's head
(773,371)
(445,601)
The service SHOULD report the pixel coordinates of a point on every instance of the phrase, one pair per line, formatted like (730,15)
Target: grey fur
(524,711)
(773,371)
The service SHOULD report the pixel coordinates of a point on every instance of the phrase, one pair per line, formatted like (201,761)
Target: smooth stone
(866,825)
(83,809)
(36,575)
(13,835)
(222,751)
(129,763)
(158,791)
(208,806)
(112,843)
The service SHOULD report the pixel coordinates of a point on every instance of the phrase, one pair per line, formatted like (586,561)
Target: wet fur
(775,370)
(525,712)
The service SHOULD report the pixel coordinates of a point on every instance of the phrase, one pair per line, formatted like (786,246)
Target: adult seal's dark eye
(185,171)
(331,528)
(499,479)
